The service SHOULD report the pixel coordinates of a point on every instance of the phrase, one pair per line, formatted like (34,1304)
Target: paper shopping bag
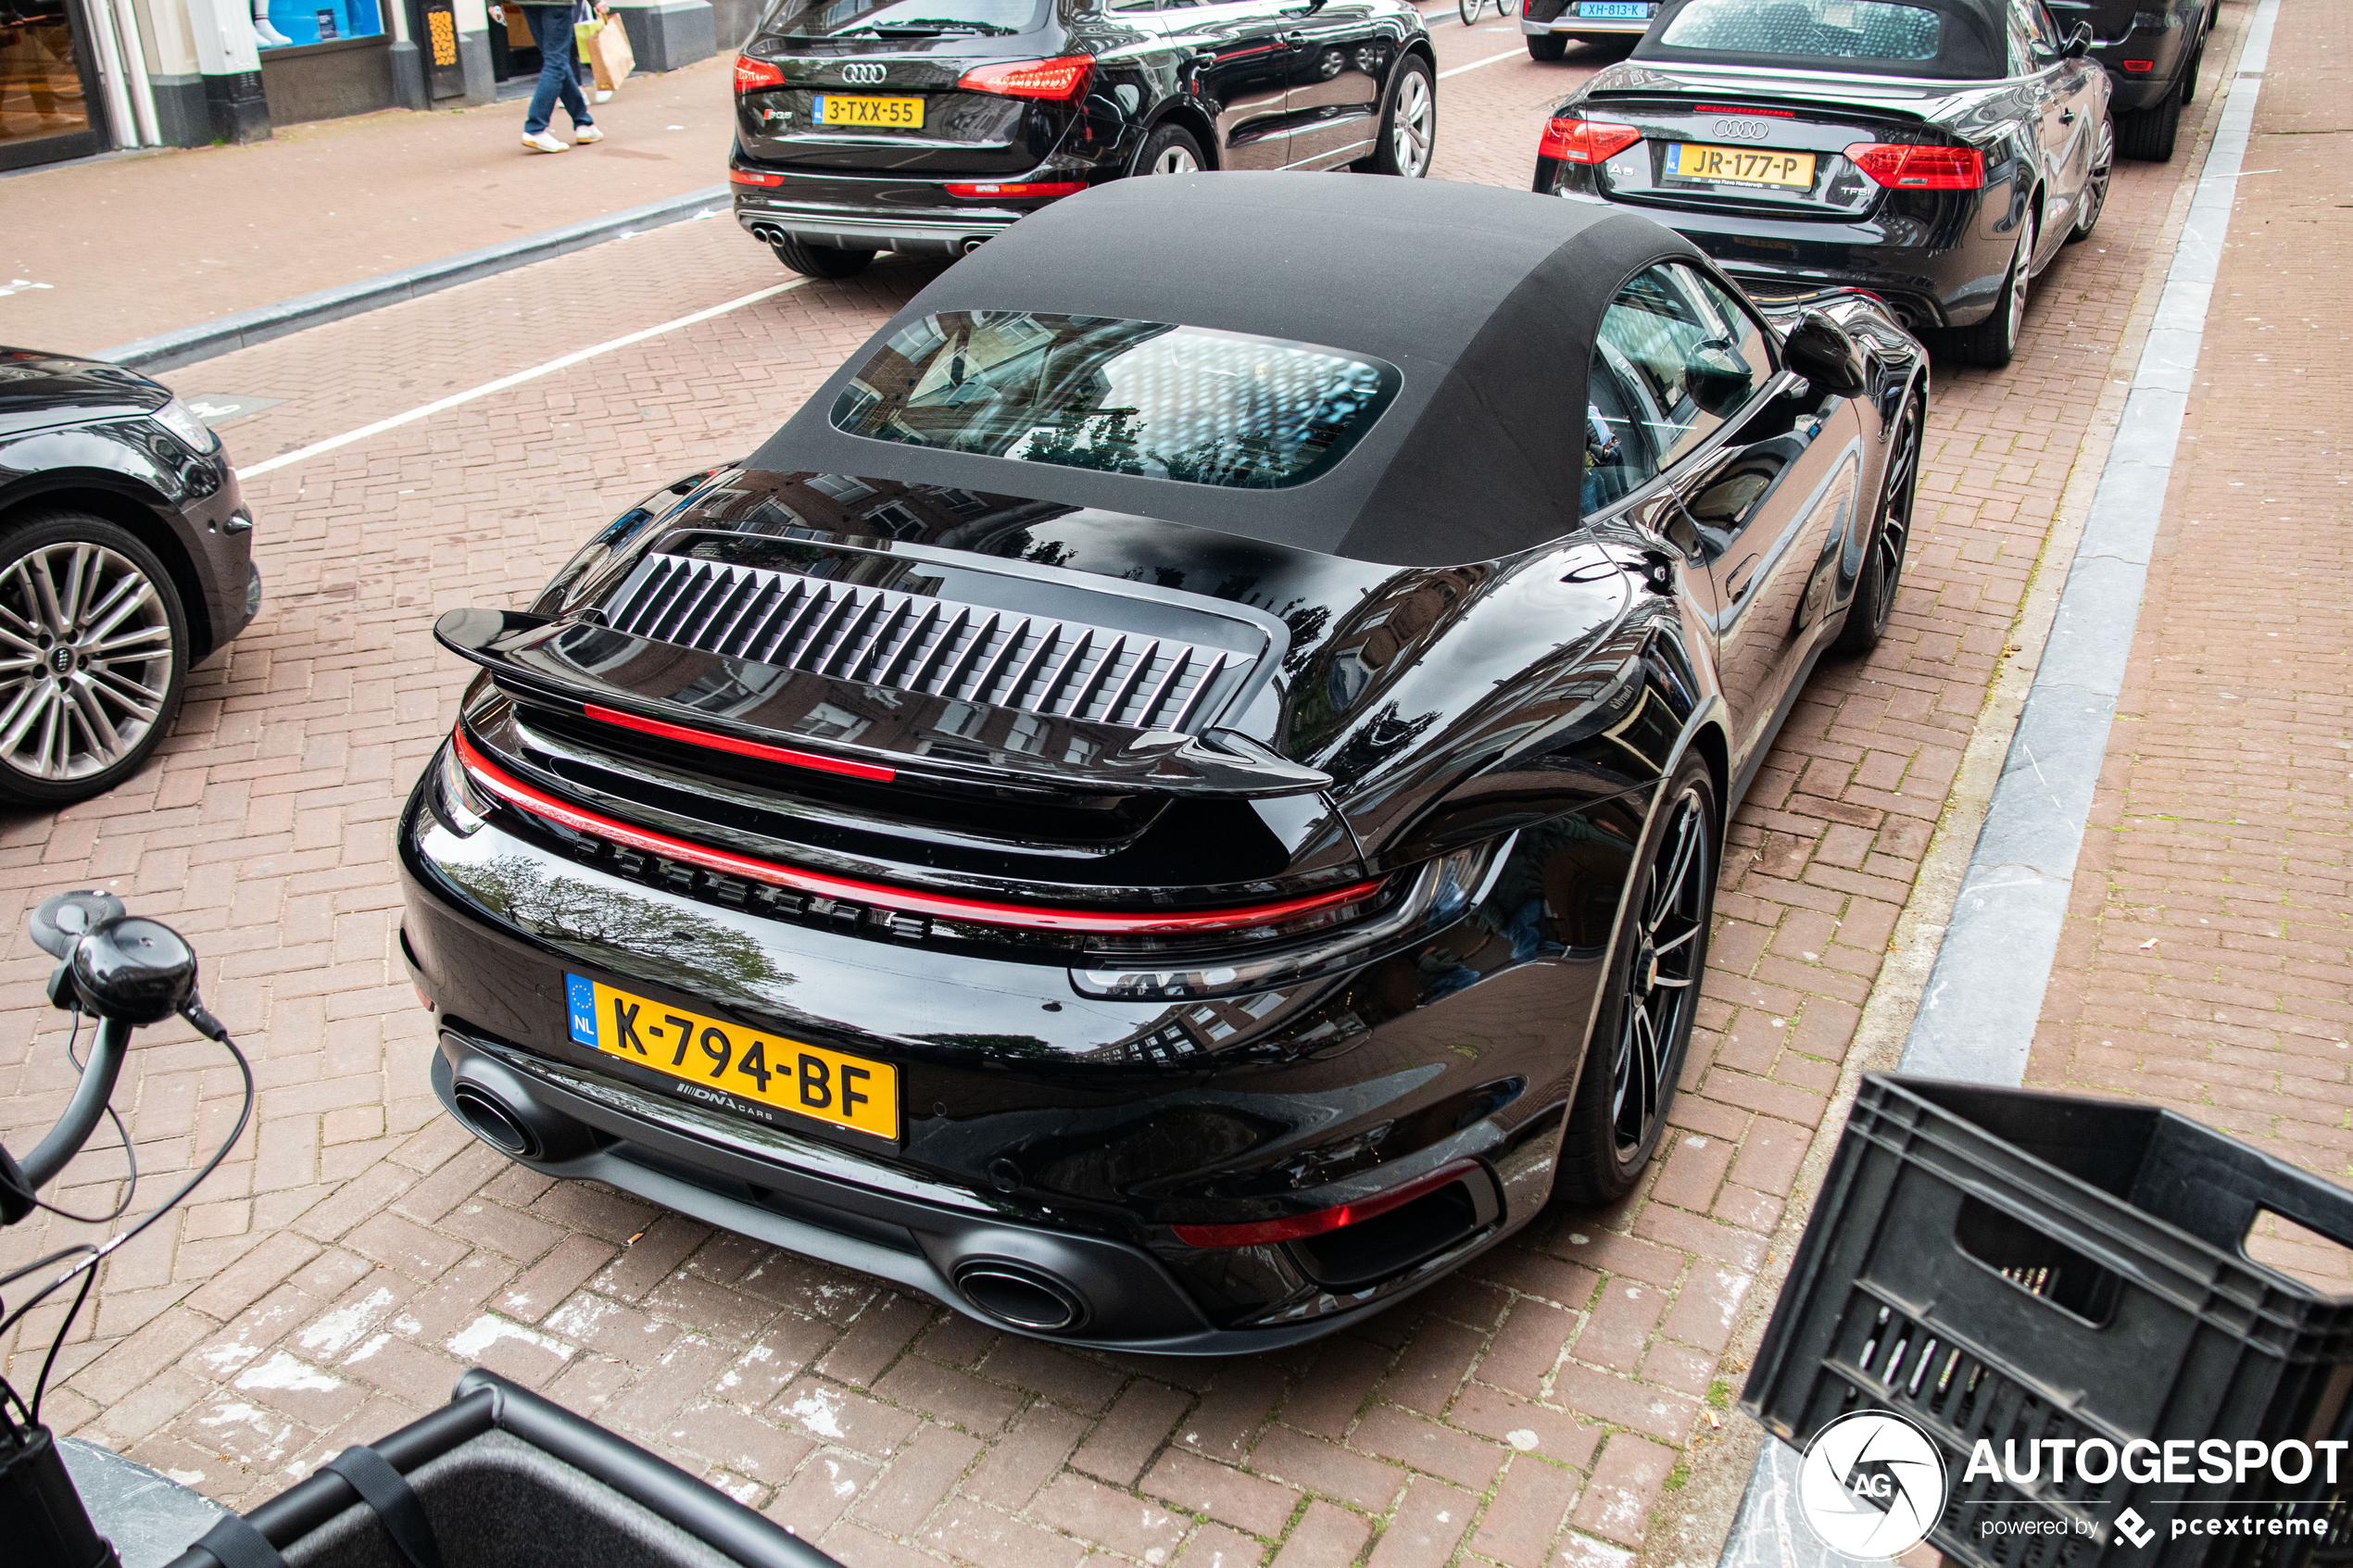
(611,55)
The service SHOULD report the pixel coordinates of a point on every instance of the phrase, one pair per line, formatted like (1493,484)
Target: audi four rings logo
(862,75)
(1744,130)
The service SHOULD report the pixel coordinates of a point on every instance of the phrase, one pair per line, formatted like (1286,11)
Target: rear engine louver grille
(935,647)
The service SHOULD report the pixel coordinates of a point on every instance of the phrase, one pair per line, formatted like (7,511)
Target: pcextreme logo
(1871,1485)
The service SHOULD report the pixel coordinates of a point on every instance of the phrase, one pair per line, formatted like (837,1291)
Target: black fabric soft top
(1486,300)
(1972,43)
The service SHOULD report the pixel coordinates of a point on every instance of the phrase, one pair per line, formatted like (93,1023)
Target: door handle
(1295,39)
(1745,574)
(2067,117)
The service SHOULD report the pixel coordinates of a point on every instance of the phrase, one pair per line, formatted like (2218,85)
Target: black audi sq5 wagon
(1172,804)
(929,126)
(1938,153)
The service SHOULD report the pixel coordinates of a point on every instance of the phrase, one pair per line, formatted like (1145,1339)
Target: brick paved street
(1549,1407)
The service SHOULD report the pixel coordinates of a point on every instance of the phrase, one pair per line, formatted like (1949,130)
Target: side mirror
(2079,41)
(1819,349)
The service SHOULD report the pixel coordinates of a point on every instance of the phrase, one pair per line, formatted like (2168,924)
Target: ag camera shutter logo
(1871,1485)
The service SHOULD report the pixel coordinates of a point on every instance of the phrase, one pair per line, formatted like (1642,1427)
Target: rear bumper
(915,216)
(1568,25)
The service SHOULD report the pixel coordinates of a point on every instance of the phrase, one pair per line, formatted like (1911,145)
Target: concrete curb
(225,335)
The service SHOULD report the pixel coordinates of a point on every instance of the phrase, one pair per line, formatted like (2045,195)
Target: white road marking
(1507,54)
(287,459)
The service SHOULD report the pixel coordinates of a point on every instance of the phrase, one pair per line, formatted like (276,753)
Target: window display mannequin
(264,34)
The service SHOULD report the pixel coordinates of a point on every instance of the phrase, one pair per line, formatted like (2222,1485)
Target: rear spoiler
(579,665)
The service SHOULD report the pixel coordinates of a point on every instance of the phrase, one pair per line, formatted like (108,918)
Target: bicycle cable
(130,1156)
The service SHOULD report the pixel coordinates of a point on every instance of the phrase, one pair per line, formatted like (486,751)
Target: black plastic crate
(508,1480)
(2015,1266)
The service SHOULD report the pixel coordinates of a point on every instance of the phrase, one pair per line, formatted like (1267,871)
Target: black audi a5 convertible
(1178,798)
(1938,153)
(932,125)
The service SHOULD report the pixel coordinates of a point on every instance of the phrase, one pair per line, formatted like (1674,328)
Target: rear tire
(1547,47)
(1645,1023)
(2189,77)
(821,261)
(1890,539)
(1993,342)
(1409,126)
(86,591)
(2150,135)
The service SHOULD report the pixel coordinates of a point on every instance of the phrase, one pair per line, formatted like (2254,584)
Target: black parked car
(1161,808)
(1937,153)
(2152,50)
(932,125)
(125,557)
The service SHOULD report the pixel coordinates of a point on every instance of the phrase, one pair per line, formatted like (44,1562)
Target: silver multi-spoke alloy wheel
(2095,197)
(1662,985)
(2021,278)
(1174,161)
(1413,125)
(88,661)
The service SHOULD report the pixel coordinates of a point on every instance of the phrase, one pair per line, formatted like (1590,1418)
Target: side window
(1619,458)
(1692,356)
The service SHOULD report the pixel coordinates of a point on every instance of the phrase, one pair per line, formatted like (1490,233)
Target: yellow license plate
(891,114)
(846,1091)
(1739,166)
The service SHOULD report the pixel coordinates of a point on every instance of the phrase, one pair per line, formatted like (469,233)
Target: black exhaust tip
(1022,1296)
(493,1123)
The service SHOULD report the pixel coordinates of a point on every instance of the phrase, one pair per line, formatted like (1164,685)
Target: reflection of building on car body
(1938,153)
(1232,793)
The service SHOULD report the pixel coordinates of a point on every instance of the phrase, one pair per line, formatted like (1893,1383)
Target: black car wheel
(1546,46)
(1992,342)
(93,651)
(1170,149)
(820,261)
(1891,536)
(2150,135)
(2189,77)
(1409,130)
(1644,1024)
(2093,201)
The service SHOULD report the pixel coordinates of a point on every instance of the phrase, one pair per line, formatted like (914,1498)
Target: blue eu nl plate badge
(580,999)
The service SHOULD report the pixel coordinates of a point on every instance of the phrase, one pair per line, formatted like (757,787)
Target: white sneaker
(543,142)
(604,95)
(581,133)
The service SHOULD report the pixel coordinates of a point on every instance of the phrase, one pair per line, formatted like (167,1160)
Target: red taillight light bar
(2139,65)
(752,177)
(1062,78)
(753,75)
(1584,141)
(1024,188)
(1025,917)
(785,755)
(1919,169)
(1297,1227)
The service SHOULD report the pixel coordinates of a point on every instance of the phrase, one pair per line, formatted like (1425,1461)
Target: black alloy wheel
(1170,149)
(2150,135)
(1409,127)
(820,261)
(1891,536)
(2093,199)
(94,653)
(1644,1024)
(1547,45)
(1993,342)
(2198,63)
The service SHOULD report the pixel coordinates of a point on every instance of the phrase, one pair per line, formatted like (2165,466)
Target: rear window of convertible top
(1853,29)
(1190,404)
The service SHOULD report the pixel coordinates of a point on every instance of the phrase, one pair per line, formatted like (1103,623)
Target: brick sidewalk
(135,246)
(2205,961)
(359,1249)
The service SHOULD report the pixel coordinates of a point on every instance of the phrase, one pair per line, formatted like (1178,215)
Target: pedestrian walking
(551,29)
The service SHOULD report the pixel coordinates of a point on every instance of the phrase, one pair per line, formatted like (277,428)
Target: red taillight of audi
(1919,169)
(1054,80)
(1025,189)
(1298,1227)
(1584,141)
(751,177)
(753,75)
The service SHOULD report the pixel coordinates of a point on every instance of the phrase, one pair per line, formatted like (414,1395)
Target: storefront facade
(79,77)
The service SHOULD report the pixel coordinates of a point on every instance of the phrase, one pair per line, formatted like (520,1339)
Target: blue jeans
(551,29)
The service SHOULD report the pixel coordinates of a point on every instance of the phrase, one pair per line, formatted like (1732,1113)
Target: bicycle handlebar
(88,1103)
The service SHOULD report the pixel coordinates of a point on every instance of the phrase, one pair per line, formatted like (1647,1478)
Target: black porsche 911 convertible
(1938,153)
(1168,814)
